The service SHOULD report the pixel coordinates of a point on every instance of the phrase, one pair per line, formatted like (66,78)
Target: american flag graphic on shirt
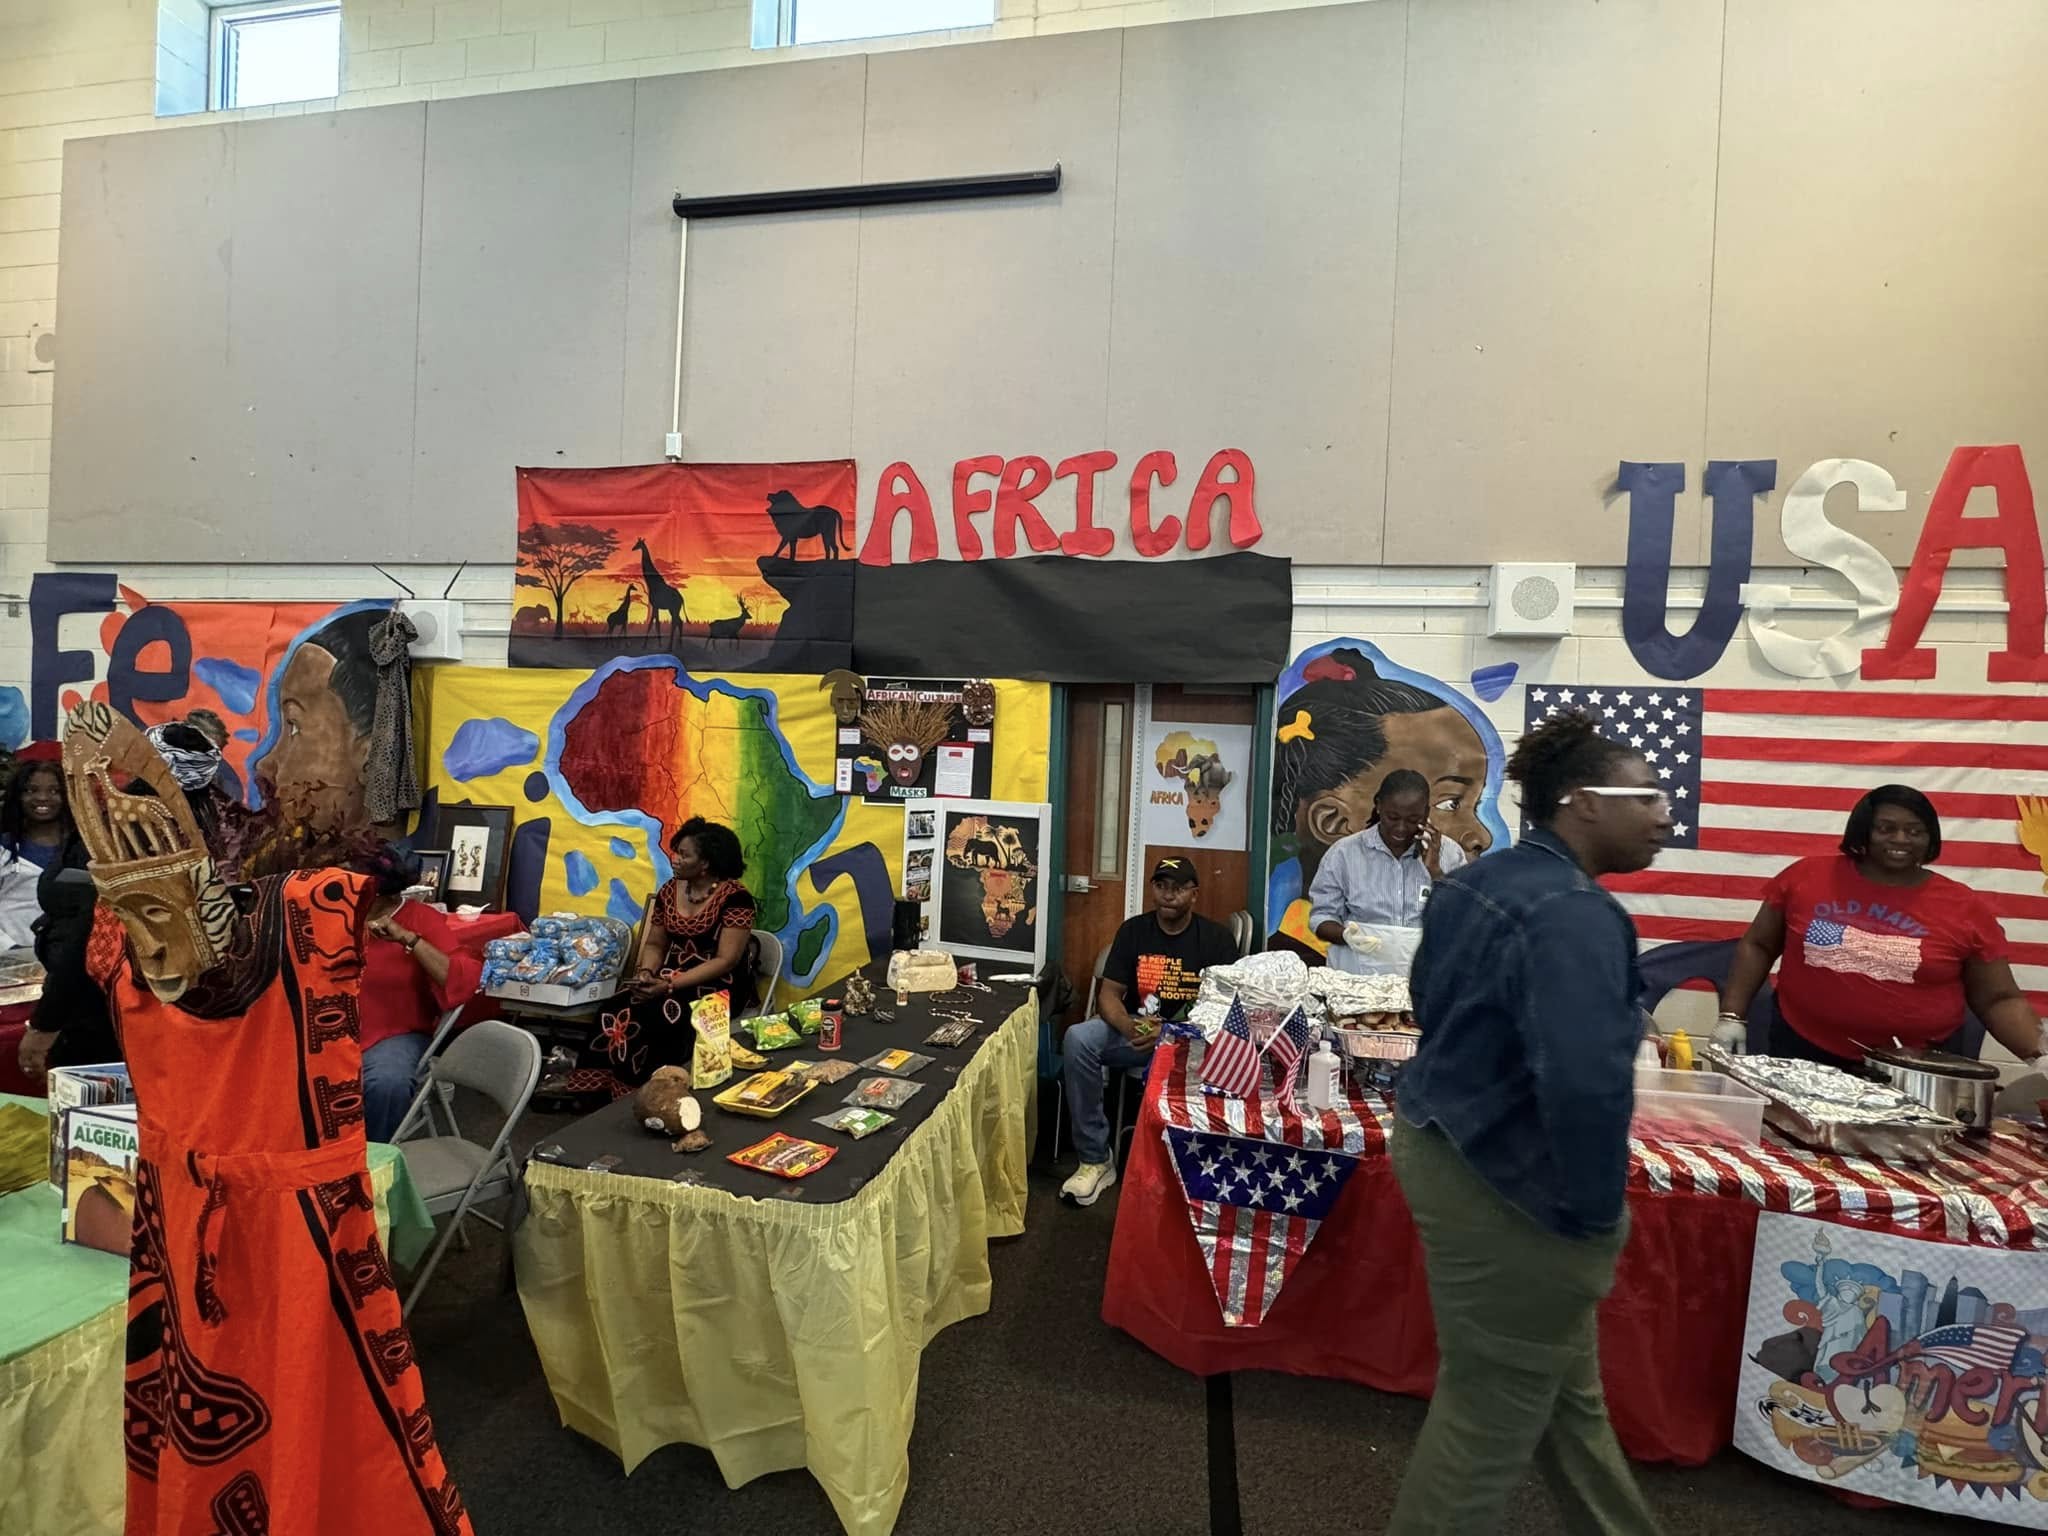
(1761,777)
(1857,952)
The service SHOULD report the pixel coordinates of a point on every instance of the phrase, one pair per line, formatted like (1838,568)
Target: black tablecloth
(612,1131)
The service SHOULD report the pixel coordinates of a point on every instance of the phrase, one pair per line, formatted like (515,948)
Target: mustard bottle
(1678,1051)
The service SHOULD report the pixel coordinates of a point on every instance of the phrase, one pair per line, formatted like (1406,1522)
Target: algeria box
(100,1151)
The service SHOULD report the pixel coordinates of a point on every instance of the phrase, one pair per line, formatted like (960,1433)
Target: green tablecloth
(63,1322)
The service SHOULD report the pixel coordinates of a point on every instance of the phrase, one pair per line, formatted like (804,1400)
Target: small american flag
(1255,1206)
(1759,777)
(1968,1345)
(1231,1063)
(1289,1041)
(1853,952)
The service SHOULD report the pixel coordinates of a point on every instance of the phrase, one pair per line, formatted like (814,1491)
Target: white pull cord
(675,418)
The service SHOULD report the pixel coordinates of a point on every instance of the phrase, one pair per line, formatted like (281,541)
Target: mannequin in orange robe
(271,1386)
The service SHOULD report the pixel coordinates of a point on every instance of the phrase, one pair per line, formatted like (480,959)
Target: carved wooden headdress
(148,857)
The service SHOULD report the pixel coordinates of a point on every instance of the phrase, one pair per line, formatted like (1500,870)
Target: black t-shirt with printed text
(1161,972)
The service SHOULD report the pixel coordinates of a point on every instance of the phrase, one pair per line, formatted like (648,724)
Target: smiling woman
(1878,949)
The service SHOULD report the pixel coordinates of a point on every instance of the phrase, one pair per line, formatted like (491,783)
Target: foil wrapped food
(1836,1110)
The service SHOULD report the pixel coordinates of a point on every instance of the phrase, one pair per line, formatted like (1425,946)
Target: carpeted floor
(1035,1419)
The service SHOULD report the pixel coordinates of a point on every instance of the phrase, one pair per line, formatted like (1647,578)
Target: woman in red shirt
(1878,948)
(415,968)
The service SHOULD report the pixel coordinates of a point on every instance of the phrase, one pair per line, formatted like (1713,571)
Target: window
(780,23)
(282,50)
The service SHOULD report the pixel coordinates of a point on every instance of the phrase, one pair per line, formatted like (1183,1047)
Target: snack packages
(883,1093)
(770,1090)
(952,1032)
(746,1060)
(808,1015)
(772,1032)
(830,1071)
(855,1122)
(902,1063)
(711,1061)
(784,1156)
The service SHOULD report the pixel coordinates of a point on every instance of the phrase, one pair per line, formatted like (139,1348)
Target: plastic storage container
(1696,1109)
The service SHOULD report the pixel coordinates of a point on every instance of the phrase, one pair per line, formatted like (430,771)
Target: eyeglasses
(1655,797)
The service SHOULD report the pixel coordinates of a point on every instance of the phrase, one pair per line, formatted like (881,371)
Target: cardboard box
(101,1148)
(546,995)
(78,1088)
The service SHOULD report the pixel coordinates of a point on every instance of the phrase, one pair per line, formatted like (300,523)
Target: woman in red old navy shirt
(1877,947)
(415,968)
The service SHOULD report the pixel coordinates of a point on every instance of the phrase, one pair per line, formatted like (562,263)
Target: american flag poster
(1760,777)
(1905,1370)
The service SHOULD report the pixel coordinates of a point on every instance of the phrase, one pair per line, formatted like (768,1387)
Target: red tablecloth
(1357,1308)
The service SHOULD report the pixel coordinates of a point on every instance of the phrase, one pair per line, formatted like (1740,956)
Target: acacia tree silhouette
(553,557)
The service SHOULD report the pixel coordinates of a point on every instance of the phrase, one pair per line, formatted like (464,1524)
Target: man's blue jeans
(1091,1048)
(390,1068)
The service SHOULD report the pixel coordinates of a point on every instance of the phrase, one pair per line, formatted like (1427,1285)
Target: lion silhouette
(795,522)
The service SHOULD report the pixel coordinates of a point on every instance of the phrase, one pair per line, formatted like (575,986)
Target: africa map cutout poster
(1197,779)
(1904,1370)
(989,880)
(733,567)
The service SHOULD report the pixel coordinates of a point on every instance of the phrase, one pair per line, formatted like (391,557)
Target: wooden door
(1100,721)
(1225,872)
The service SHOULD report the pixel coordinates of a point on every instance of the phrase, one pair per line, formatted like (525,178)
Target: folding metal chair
(1242,931)
(453,1173)
(446,1095)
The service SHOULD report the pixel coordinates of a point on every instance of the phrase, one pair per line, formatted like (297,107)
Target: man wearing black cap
(1152,974)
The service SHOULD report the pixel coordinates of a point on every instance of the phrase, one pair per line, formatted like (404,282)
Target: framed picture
(433,880)
(988,879)
(478,837)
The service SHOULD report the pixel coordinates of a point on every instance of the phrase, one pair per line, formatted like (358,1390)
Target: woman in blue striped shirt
(1367,897)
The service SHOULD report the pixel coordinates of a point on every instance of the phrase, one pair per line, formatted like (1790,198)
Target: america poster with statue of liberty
(1899,1369)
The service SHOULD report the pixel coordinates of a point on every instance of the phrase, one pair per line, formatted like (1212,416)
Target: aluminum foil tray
(1837,1111)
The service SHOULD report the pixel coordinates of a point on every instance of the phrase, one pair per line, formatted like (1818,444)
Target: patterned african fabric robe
(271,1386)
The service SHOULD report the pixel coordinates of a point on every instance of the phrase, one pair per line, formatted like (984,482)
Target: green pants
(1518,1342)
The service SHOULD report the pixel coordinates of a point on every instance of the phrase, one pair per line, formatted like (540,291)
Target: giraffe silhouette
(621,616)
(661,598)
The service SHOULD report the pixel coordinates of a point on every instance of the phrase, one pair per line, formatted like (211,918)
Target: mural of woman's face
(1439,744)
(315,770)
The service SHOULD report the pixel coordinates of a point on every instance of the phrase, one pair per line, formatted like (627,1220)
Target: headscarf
(193,767)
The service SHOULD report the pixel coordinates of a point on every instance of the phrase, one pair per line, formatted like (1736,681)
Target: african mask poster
(727,567)
(1347,717)
(990,874)
(918,737)
(1197,779)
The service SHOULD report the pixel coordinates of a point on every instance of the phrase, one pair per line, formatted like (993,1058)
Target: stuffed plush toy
(664,1104)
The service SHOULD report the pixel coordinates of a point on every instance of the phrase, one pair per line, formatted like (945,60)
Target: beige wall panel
(1257,175)
(522,301)
(1881,266)
(1551,307)
(141,455)
(983,327)
(768,343)
(320,350)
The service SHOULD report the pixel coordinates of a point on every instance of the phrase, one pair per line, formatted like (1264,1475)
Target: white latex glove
(1358,941)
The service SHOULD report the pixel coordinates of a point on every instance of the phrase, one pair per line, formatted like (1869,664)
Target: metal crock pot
(1949,1085)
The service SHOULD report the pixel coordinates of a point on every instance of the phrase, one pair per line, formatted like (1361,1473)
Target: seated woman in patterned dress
(698,940)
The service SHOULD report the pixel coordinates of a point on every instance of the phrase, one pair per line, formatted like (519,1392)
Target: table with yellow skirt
(780,1325)
(63,1331)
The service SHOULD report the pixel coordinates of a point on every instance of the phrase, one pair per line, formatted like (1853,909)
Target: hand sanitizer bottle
(1323,1084)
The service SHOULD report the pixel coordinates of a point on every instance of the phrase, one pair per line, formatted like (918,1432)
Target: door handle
(1079,885)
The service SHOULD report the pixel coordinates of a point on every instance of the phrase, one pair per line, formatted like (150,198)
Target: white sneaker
(1088,1183)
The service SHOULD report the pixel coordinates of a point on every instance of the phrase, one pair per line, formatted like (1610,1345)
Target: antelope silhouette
(661,597)
(621,616)
(729,629)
